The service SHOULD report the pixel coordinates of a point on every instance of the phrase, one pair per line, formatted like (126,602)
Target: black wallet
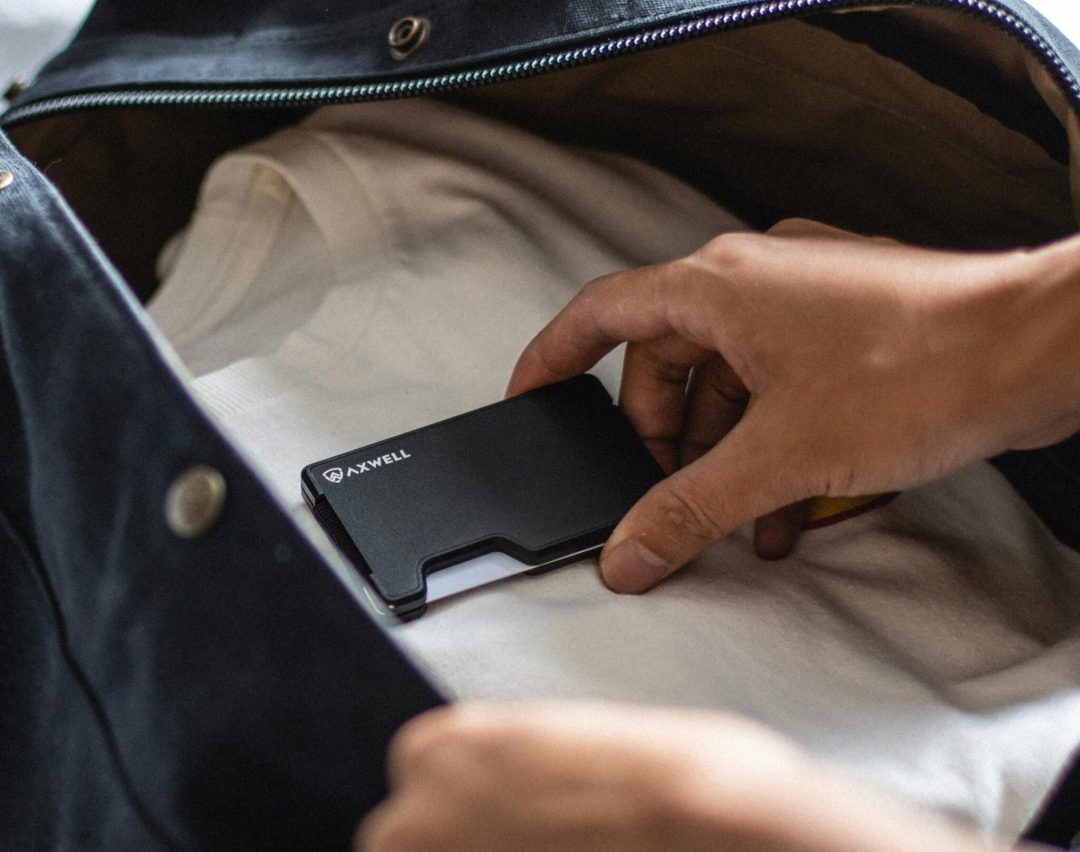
(543,477)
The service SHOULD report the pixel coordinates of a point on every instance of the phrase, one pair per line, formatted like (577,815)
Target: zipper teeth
(301,96)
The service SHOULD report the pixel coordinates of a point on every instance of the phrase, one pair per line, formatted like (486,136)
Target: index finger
(634,305)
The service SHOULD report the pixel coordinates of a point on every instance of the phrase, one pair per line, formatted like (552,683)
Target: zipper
(658,36)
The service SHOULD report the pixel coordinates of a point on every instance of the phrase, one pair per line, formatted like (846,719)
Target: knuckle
(550,359)
(442,741)
(686,515)
(730,250)
(663,368)
(725,383)
(385,829)
(594,289)
(420,739)
(588,292)
(795,225)
(1019,269)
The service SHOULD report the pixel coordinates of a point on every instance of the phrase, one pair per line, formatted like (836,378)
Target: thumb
(743,477)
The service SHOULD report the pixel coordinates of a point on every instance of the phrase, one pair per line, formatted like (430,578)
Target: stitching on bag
(45,205)
(97,708)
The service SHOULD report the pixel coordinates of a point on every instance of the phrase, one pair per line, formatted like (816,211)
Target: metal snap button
(6,179)
(408,35)
(194,501)
(16,87)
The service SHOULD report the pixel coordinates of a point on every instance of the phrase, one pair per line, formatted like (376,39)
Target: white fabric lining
(931,645)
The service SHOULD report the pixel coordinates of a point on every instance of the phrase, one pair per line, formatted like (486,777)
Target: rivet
(6,179)
(407,35)
(16,87)
(195,501)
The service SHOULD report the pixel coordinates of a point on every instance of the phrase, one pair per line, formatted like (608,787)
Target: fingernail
(631,568)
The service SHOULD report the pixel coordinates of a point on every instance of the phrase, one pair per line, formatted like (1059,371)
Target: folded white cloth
(380,267)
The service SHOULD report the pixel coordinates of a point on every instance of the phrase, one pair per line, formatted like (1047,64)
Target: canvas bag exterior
(226,690)
(159,691)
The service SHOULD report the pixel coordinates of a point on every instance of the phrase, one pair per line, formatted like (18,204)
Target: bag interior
(926,125)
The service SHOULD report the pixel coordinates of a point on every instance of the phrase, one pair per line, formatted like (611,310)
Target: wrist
(1042,355)
(1009,323)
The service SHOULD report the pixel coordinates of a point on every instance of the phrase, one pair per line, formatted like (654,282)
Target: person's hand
(874,367)
(584,777)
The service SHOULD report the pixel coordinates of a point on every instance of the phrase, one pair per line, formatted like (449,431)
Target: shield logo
(335,474)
